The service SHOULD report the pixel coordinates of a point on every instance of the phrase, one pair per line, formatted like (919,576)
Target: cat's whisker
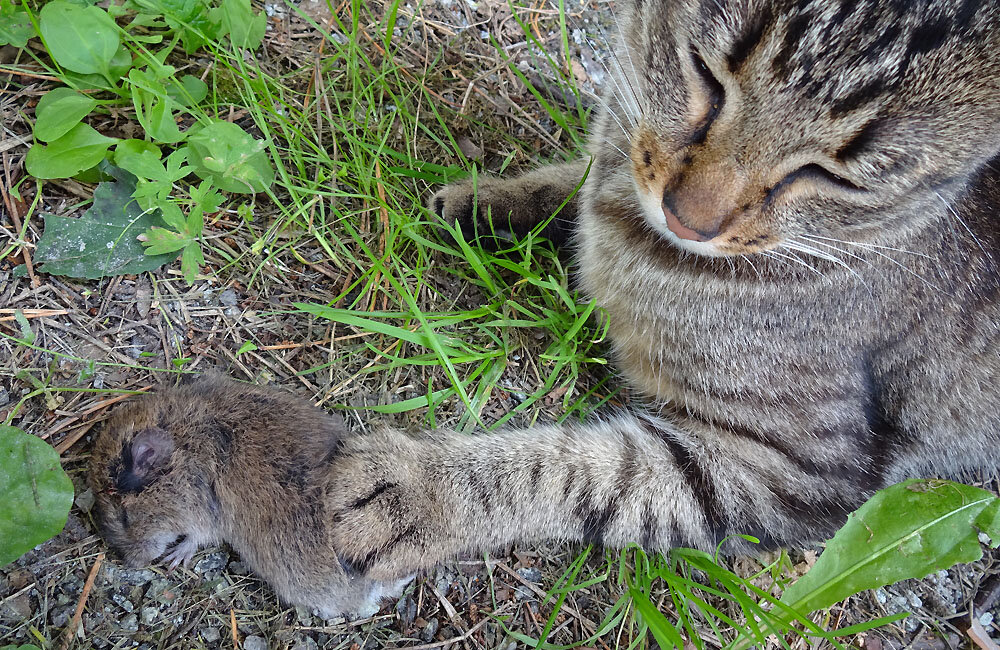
(954,213)
(797,260)
(867,245)
(746,258)
(815,252)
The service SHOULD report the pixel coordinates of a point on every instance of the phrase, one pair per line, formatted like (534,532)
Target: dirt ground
(146,323)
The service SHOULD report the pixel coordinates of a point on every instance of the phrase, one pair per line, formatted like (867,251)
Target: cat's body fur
(824,324)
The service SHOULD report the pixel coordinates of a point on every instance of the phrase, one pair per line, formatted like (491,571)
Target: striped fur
(837,335)
(833,330)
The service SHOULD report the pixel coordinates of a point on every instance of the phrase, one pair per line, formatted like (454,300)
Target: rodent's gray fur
(218,461)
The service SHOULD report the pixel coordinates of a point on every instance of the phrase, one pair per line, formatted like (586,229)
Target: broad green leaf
(19,647)
(80,148)
(191,260)
(37,494)
(225,154)
(140,158)
(15,27)
(187,91)
(907,530)
(81,39)
(104,240)
(60,110)
(245,29)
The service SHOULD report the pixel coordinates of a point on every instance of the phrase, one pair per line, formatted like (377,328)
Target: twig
(460,638)
(232,627)
(32,313)
(74,624)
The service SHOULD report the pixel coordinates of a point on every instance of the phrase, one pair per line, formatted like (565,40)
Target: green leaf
(60,110)
(191,260)
(907,530)
(37,494)
(104,240)
(15,27)
(80,148)
(153,108)
(187,91)
(245,29)
(664,632)
(161,240)
(225,154)
(81,39)
(140,158)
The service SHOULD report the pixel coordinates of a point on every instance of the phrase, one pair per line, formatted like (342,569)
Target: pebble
(130,623)
(254,643)
(60,616)
(306,643)
(210,634)
(4,397)
(229,298)
(429,630)
(123,602)
(406,609)
(21,606)
(303,615)
(986,619)
(149,614)
(531,574)
(85,500)
(213,563)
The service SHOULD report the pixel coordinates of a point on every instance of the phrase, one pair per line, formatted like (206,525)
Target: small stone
(305,643)
(254,643)
(881,596)
(4,397)
(123,602)
(427,634)
(60,616)
(130,623)
(149,614)
(531,574)
(85,500)
(210,634)
(302,615)
(406,609)
(229,298)
(212,563)
(984,538)
(986,619)
(21,606)
(915,601)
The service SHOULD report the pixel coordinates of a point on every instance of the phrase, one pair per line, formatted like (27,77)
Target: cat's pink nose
(684,232)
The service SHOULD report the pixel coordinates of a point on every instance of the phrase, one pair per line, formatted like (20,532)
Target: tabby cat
(790,217)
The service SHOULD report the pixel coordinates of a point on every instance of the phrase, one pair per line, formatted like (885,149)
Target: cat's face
(754,124)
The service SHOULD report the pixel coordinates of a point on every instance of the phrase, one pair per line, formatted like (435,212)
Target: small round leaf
(37,494)
(60,110)
(81,148)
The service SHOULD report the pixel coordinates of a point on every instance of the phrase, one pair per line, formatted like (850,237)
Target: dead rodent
(217,461)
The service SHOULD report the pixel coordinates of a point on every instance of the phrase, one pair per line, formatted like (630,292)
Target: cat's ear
(143,459)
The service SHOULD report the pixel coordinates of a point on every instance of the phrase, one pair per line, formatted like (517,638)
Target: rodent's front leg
(182,552)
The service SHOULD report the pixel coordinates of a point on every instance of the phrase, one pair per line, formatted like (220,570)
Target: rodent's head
(747,125)
(146,489)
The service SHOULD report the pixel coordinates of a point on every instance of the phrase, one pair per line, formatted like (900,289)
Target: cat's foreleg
(501,209)
(400,504)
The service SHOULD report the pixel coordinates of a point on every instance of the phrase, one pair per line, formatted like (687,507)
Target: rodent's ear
(142,459)
(151,449)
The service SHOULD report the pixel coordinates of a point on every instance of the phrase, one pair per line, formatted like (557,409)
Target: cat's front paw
(477,211)
(389,518)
